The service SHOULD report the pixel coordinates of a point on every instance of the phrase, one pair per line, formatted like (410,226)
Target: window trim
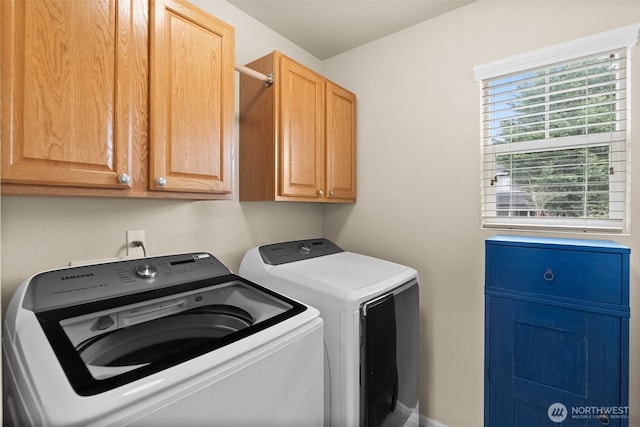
(620,38)
(623,37)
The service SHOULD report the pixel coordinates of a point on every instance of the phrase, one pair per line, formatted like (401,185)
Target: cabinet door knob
(124,178)
(548,275)
(331,193)
(161,181)
(320,193)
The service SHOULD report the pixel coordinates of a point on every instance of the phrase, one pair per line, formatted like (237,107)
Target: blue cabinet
(556,332)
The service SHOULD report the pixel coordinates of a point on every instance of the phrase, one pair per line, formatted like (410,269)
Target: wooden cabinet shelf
(297,137)
(125,98)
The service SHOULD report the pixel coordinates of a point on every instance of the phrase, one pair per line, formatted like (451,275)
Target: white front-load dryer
(166,341)
(370,310)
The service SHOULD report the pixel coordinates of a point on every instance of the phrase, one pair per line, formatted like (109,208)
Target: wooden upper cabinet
(341,143)
(66,92)
(103,98)
(302,117)
(191,99)
(297,137)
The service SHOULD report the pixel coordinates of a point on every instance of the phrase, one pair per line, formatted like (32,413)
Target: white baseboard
(428,422)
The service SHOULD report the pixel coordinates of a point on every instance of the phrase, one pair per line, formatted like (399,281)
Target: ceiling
(326,28)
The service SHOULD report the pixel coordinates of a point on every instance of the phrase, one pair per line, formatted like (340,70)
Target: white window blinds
(555,144)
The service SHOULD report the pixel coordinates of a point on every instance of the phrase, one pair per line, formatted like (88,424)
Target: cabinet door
(191,99)
(66,92)
(341,143)
(538,355)
(301,131)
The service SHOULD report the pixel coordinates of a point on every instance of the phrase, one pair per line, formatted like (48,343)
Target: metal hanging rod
(267,79)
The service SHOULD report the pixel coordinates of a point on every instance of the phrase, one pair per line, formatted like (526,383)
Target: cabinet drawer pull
(124,178)
(548,275)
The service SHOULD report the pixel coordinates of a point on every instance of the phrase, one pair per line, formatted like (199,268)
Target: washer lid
(122,350)
(105,344)
(342,280)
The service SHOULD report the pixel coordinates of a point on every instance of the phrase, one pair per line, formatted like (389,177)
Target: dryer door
(389,358)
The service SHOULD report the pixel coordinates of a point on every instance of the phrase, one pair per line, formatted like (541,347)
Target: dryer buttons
(305,248)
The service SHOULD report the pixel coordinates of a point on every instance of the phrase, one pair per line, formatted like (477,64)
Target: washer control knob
(146,271)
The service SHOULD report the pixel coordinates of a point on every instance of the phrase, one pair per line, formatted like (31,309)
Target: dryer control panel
(297,250)
(76,285)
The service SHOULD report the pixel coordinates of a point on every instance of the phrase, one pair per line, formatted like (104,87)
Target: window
(555,136)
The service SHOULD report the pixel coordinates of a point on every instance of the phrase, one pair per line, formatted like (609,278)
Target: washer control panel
(146,271)
(77,285)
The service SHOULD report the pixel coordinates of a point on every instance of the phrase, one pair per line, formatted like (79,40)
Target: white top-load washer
(370,312)
(174,340)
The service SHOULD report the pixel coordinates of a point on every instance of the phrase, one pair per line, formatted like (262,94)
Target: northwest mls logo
(557,412)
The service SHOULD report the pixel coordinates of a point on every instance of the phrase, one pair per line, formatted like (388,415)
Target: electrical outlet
(133,236)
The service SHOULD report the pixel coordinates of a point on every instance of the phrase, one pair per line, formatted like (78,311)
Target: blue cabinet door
(550,366)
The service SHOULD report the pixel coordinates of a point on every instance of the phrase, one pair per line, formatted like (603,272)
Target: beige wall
(419,169)
(418,200)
